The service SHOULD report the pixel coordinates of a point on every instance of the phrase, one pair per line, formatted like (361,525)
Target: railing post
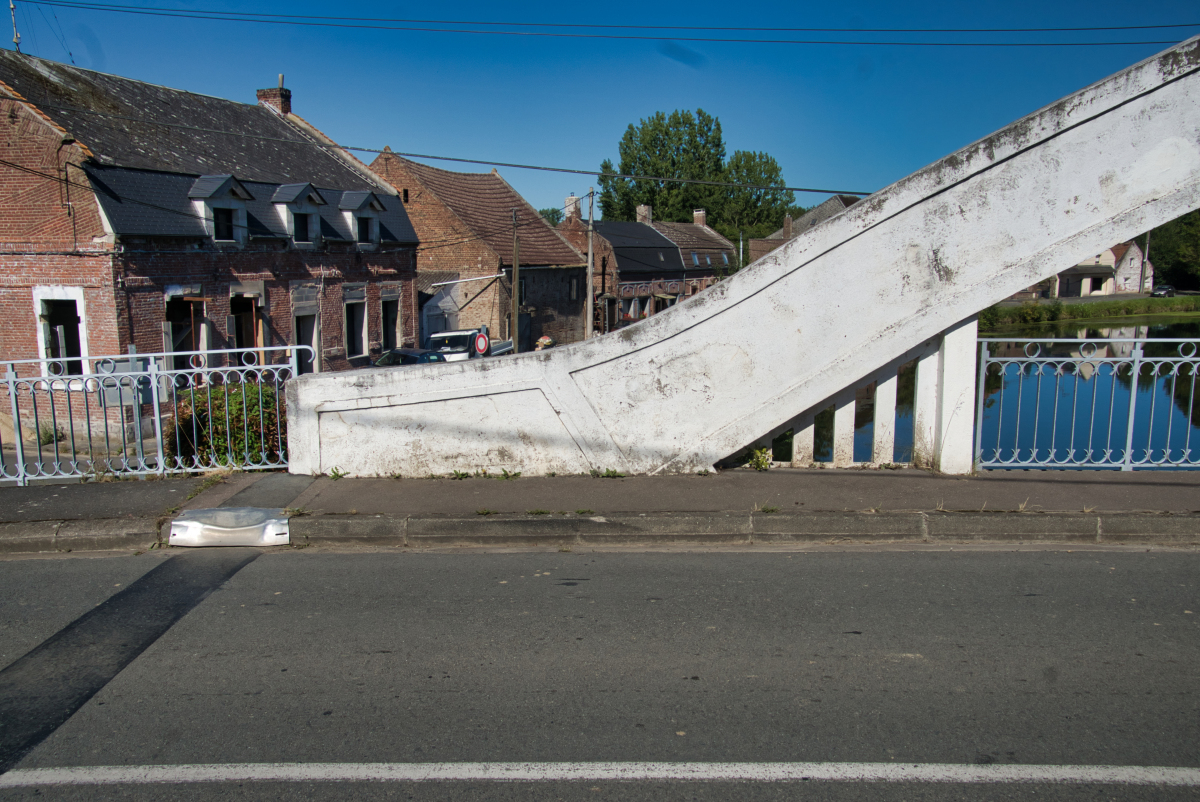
(980,384)
(803,440)
(1127,462)
(884,446)
(10,378)
(954,427)
(843,428)
(156,406)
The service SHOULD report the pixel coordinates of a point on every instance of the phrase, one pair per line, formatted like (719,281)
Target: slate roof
(133,124)
(817,214)
(154,203)
(691,237)
(640,250)
(484,202)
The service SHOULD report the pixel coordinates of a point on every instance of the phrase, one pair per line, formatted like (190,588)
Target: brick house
(646,266)
(138,215)
(465,224)
(794,228)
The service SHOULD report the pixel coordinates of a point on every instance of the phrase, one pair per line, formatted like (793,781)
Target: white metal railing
(145,413)
(1087,403)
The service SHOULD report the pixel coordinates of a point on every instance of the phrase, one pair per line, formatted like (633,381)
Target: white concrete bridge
(900,275)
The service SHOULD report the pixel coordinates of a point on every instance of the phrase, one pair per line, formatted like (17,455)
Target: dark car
(408,356)
(1163,291)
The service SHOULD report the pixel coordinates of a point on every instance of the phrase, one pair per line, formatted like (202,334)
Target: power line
(335,146)
(275,20)
(113,6)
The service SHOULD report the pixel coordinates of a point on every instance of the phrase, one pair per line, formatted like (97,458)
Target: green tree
(1175,251)
(681,145)
(752,212)
(551,216)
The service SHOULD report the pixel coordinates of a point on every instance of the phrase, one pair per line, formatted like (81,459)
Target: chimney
(700,217)
(645,214)
(787,226)
(279,99)
(572,207)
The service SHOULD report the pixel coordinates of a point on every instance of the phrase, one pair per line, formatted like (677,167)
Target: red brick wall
(447,245)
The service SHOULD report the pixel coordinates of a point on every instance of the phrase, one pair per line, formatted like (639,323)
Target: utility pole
(741,258)
(588,323)
(12,9)
(514,328)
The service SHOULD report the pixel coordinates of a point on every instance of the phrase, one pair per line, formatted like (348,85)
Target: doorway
(306,334)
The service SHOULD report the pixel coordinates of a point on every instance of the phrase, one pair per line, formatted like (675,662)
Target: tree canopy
(1175,251)
(552,216)
(690,146)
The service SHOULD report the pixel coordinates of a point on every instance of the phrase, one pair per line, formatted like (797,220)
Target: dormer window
(220,200)
(298,207)
(223,225)
(361,210)
(301,226)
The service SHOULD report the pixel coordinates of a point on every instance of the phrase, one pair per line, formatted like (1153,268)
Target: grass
(585,512)
(485,511)
(537,512)
(607,473)
(998,317)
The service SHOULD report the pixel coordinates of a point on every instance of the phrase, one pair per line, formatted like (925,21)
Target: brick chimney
(700,217)
(645,214)
(279,99)
(572,207)
(787,226)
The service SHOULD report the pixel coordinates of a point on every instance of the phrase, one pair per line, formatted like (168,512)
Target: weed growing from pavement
(705,472)
(538,512)
(760,459)
(296,512)
(584,512)
(504,474)
(485,511)
(607,473)
(768,510)
(397,475)
(459,475)
(336,473)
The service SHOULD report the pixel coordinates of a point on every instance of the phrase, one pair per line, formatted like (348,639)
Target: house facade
(466,223)
(137,215)
(646,266)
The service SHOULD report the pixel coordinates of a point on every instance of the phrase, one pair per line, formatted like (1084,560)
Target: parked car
(408,356)
(1163,291)
(458,345)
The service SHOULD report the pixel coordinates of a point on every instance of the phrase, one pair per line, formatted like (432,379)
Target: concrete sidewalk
(732,507)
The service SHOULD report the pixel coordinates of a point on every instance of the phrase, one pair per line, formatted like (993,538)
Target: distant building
(464,267)
(643,267)
(794,228)
(1116,270)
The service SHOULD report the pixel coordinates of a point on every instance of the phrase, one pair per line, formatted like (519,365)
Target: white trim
(606,772)
(60,293)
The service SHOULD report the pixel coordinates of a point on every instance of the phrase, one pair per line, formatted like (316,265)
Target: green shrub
(227,424)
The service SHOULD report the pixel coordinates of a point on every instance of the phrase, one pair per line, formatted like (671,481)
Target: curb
(619,529)
(104,534)
(645,529)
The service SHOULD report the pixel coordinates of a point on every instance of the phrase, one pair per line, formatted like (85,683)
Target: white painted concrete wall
(696,383)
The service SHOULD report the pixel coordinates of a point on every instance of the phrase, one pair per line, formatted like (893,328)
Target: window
(695,259)
(521,300)
(61,321)
(725,257)
(364,229)
(300,228)
(390,310)
(708,259)
(223,224)
(574,289)
(660,257)
(356,328)
(406,196)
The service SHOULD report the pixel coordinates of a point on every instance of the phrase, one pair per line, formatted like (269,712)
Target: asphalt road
(959,659)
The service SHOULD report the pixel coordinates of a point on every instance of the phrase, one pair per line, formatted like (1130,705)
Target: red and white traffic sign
(482,344)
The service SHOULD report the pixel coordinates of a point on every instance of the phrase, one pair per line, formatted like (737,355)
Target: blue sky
(837,117)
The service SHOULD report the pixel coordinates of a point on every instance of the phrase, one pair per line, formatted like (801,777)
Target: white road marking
(595,772)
